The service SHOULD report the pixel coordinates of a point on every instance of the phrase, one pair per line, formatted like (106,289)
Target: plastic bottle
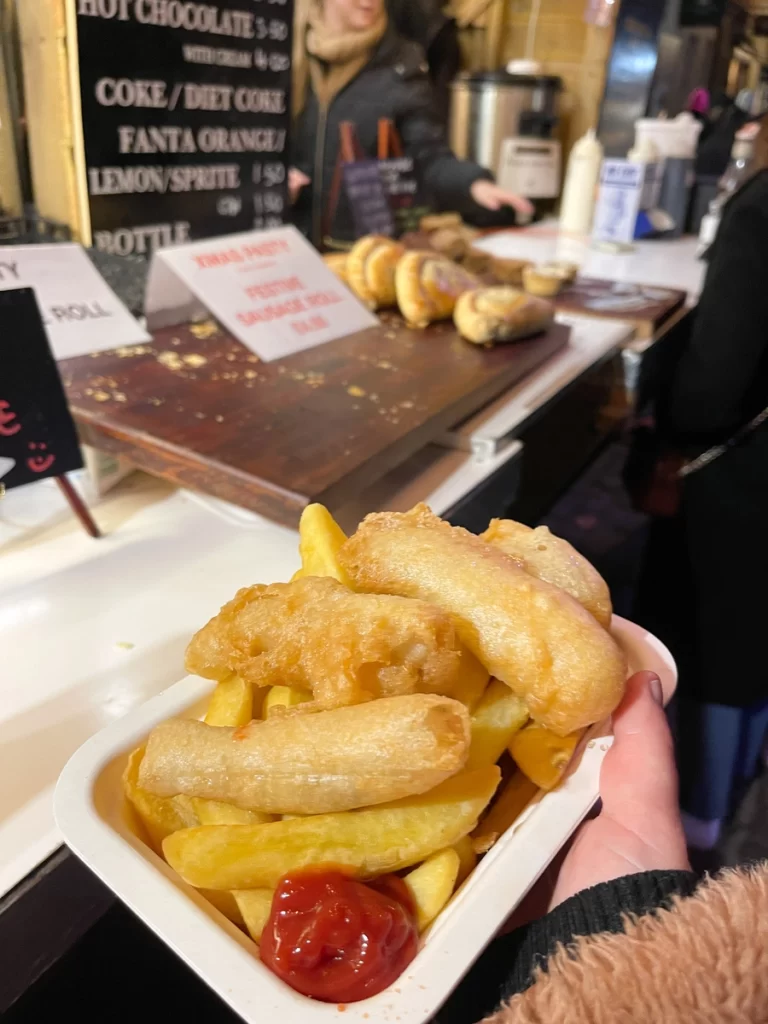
(644,152)
(580,189)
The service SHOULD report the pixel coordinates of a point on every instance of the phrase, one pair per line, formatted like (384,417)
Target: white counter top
(664,263)
(90,629)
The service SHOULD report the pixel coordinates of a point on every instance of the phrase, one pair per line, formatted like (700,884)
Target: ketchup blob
(336,939)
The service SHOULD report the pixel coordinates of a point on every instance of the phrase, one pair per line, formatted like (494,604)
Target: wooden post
(78,506)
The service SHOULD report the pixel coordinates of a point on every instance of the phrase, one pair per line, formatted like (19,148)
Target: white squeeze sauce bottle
(580,189)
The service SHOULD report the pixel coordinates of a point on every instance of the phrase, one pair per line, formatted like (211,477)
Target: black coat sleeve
(509,964)
(729,342)
(446,178)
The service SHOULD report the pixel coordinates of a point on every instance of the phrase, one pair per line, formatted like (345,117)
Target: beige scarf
(331,61)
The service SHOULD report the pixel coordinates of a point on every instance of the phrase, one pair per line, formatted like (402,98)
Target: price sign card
(365,191)
(80,311)
(270,289)
(618,201)
(37,433)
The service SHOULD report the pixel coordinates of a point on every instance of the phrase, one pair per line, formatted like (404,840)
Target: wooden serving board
(196,407)
(646,306)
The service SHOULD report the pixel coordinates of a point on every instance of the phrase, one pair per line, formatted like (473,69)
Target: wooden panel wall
(566,45)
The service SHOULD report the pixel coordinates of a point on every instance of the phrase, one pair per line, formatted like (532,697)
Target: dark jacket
(703,585)
(394,84)
(424,22)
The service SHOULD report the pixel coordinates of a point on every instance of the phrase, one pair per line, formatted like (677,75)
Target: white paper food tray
(91,814)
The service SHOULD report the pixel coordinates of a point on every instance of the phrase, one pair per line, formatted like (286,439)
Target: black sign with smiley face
(37,432)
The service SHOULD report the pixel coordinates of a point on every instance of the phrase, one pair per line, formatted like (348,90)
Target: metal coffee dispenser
(506,122)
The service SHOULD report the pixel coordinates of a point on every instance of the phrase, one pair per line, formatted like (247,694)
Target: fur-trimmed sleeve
(703,960)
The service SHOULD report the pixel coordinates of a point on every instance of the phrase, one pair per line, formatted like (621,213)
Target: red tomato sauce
(339,940)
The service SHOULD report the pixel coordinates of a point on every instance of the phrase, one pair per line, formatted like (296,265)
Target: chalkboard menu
(186,112)
(368,199)
(37,433)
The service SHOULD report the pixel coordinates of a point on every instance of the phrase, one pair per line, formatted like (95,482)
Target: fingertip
(642,686)
(642,754)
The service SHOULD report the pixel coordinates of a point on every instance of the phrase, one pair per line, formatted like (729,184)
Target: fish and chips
(347,762)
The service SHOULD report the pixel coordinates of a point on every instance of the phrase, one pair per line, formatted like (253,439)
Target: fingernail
(657,691)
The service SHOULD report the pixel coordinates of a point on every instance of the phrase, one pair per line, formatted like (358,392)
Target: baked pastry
(566,268)
(371,270)
(436,221)
(449,242)
(428,286)
(546,279)
(508,271)
(337,262)
(477,261)
(469,234)
(501,313)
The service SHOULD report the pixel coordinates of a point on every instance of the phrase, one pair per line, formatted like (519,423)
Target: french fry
(216,812)
(254,905)
(231,703)
(506,809)
(284,697)
(368,842)
(226,904)
(467,858)
(320,538)
(542,755)
(431,884)
(247,908)
(159,815)
(497,717)
(473,680)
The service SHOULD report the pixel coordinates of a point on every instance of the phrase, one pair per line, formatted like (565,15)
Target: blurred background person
(350,64)
(703,580)
(426,23)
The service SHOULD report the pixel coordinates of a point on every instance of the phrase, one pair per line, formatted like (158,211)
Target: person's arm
(730,334)
(509,965)
(446,178)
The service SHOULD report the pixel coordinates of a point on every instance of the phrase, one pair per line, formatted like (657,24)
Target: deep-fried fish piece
(345,648)
(555,561)
(314,763)
(526,632)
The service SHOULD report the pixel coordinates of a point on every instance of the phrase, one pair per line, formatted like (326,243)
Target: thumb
(638,780)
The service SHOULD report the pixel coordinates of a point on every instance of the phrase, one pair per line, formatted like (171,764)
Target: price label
(80,311)
(270,289)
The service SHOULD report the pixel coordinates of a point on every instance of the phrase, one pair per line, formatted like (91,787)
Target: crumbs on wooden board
(129,351)
(170,360)
(205,329)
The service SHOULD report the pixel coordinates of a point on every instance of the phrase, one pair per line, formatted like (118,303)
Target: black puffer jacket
(394,84)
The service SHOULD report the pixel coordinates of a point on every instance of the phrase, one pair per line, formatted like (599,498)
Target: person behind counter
(350,65)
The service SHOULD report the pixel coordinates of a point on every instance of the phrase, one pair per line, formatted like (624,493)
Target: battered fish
(555,561)
(345,648)
(313,763)
(533,636)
